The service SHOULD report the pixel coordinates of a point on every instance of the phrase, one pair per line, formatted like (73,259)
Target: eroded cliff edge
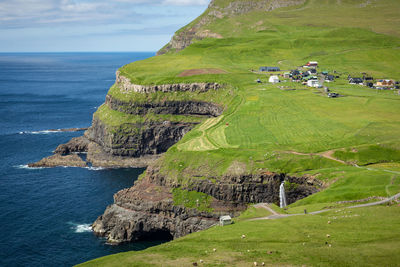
(130,132)
(151,208)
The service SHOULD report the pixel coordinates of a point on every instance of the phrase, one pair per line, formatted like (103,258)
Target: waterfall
(282,196)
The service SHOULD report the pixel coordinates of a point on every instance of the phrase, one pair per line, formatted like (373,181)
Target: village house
(329,78)
(274,79)
(312,72)
(313,83)
(385,83)
(270,69)
(311,64)
(356,81)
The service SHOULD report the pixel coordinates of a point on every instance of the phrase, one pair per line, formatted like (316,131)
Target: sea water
(45,213)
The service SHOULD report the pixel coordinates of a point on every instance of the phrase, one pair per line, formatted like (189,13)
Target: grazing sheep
(243,236)
(255,263)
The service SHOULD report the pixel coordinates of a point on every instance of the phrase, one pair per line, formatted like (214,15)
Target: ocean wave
(41,132)
(81,228)
(26,167)
(95,168)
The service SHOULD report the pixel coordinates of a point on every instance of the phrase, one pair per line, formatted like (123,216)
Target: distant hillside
(225,19)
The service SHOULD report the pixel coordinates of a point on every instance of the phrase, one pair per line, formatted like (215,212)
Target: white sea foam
(41,132)
(95,168)
(81,228)
(26,167)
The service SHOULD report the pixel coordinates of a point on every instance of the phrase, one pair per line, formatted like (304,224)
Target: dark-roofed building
(356,81)
(329,78)
(270,69)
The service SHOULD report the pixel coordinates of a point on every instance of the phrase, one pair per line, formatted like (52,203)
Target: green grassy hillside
(350,143)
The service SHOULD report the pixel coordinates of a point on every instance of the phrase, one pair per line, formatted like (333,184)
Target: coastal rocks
(126,86)
(147,211)
(75,145)
(166,107)
(59,160)
(99,158)
(135,140)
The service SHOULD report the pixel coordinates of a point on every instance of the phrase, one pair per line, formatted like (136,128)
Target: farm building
(274,79)
(356,81)
(311,64)
(329,78)
(270,69)
(385,83)
(313,83)
(225,220)
(312,71)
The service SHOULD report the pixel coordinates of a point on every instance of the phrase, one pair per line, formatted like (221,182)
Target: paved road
(276,215)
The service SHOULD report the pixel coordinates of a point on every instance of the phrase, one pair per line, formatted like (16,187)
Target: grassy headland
(351,143)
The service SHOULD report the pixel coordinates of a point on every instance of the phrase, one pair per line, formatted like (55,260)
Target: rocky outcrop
(166,107)
(75,145)
(216,10)
(59,160)
(126,86)
(135,140)
(147,209)
(97,157)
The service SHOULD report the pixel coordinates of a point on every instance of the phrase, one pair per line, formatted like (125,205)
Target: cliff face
(197,30)
(147,209)
(135,144)
(135,140)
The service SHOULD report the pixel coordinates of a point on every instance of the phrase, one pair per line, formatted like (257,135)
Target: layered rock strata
(135,144)
(147,209)
(199,108)
(126,86)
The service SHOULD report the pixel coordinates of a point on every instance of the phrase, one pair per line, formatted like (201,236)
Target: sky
(87,25)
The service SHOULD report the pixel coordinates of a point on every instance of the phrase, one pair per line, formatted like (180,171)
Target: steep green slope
(349,143)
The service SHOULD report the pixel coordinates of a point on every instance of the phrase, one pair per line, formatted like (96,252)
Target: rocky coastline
(147,209)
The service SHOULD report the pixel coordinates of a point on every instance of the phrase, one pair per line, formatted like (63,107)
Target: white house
(274,79)
(225,220)
(311,64)
(313,83)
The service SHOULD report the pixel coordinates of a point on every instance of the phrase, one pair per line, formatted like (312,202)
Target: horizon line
(15,52)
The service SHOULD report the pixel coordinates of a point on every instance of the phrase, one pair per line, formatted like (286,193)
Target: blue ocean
(46,213)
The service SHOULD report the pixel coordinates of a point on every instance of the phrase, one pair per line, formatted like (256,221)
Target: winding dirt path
(276,215)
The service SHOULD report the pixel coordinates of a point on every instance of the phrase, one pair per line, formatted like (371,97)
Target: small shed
(270,69)
(225,220)
(274,79)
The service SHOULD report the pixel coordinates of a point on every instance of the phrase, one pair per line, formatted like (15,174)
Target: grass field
(357,237)
(350,143)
